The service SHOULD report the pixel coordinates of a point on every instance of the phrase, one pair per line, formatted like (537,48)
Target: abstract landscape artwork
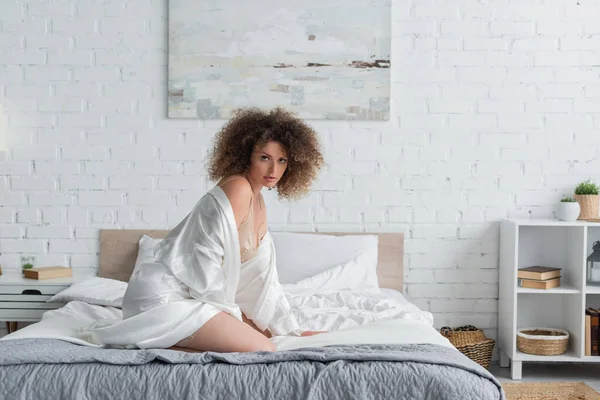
(323,59)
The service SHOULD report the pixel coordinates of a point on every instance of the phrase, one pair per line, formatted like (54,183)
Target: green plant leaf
(586,188)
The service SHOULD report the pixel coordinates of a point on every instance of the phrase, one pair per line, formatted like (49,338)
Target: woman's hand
(311,333)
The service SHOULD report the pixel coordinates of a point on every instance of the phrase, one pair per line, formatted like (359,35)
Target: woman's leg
(224,334)
(249,322)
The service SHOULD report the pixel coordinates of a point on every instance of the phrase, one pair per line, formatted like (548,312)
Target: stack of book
(539,277)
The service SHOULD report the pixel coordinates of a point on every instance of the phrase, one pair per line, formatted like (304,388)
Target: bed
(398,357)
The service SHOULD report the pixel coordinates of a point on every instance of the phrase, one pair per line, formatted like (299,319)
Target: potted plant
(27,262)
(586,194)
(26,266)
(568,209)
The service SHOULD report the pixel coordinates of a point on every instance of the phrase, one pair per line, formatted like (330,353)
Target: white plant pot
(568,211)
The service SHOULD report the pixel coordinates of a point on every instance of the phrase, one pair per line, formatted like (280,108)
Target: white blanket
(349,309)
(349,318)
(67,323)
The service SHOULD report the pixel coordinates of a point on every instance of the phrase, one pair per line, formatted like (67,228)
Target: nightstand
(24,299)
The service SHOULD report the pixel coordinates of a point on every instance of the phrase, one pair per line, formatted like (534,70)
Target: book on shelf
(539,273)
(594,320)
(48,272)
(538,284)
(588,334)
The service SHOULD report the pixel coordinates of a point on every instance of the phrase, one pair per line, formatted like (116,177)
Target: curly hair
(250,129)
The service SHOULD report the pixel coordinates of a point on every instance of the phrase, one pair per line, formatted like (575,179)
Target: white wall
(494,115)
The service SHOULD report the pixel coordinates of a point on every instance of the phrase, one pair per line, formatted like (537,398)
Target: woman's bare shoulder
(236,186)
(239,193)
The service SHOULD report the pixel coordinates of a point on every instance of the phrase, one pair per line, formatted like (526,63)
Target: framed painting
(323,59)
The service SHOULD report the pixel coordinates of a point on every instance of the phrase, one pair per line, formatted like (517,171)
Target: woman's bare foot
(311,333)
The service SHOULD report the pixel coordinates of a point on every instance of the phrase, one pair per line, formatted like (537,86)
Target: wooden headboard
(119,248)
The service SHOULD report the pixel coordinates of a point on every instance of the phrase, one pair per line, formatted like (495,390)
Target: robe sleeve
(193,251)
(261,297)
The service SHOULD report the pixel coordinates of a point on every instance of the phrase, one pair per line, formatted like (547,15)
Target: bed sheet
(331,312)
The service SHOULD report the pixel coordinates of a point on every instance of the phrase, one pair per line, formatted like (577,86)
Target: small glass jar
(28,262)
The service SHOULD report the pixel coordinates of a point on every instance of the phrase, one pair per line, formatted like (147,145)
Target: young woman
(213,285)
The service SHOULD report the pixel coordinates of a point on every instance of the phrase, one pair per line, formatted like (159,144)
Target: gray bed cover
(54,369)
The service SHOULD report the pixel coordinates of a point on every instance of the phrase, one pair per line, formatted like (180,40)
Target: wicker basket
(471,342)
(542,341)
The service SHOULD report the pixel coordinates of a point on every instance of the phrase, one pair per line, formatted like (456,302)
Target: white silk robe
(197,273)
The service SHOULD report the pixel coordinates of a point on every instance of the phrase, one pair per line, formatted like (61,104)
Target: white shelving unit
(566,245)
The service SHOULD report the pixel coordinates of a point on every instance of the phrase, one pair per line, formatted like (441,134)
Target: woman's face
(267,164)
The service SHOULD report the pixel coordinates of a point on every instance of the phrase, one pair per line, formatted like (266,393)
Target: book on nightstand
(48,272)
(538,284)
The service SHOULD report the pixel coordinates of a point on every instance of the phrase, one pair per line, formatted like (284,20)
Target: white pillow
(145,251)
(96,290)
(327,262)
(350,276)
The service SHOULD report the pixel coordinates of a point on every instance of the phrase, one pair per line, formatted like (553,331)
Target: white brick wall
(495,115)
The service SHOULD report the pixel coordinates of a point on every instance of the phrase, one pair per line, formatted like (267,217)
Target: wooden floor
(570,372)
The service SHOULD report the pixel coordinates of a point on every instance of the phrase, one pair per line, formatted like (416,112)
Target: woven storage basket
(542,341)
(471,342)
